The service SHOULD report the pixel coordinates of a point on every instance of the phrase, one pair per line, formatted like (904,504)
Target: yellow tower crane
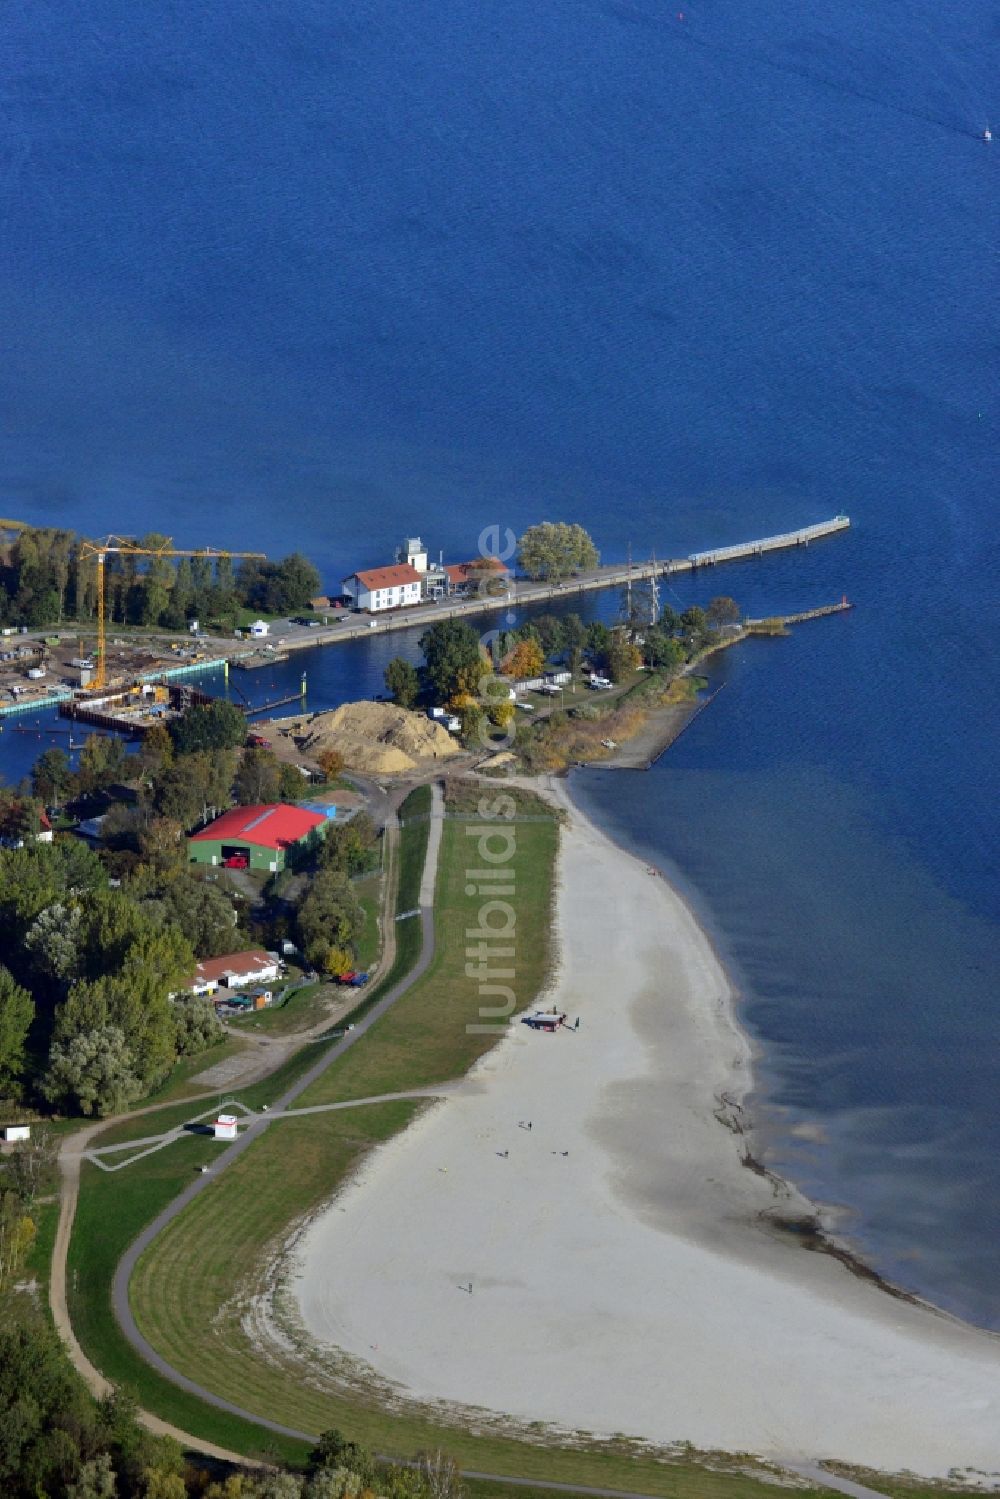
(121,546)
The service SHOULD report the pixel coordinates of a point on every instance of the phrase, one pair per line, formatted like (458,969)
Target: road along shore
(615,1267)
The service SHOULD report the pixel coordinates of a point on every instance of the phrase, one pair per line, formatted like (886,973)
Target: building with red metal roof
(257,837)
(463,577)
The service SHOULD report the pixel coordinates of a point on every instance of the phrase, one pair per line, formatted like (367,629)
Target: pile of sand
(379,737)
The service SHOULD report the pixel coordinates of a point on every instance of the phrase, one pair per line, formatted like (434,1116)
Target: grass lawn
(303,1009)
(110,1212)
(170,1116)
(423,1039)
(183,1078)
(190,1300)
(369,895)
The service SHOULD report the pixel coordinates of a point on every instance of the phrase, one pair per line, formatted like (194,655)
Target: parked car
(236,861)
(258,741)
(601,684)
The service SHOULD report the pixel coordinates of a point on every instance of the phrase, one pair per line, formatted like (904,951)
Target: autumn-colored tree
(162,847)
(622,657)
(337,961)
(331,763)
(525,660)
(501,714)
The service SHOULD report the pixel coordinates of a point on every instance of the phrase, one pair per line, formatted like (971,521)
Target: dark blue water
(322,276)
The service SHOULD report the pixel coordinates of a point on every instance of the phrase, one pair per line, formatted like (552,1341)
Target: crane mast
(122,547)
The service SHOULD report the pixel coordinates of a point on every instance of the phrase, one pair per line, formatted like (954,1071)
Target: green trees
(402,681)
(199,909)
(661,651)
(181,606)
(209,726)
(196,1025)
(154,586)
(349,847)
(17,1010)
(57,1441)
(39,574)
(723,610)
(258,778)
(103,761)
(45,578)
(694,627)
(99,964)
(194,788)
(453,661)
(93,1071)
(621,657)
(555,550)
(328,917)
(51,777)
(277,587)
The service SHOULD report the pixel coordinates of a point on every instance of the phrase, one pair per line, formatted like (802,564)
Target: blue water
(322,276)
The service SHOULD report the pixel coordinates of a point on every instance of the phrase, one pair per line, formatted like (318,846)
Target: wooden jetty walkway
(749,625)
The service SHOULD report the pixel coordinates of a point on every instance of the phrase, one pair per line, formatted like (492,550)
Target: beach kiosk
(225,1127)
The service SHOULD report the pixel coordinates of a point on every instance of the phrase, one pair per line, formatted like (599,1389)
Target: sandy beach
(623,1278)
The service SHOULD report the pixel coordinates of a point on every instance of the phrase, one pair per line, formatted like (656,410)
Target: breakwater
(664,726)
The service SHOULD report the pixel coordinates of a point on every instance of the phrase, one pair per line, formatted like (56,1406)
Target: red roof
(387,577)
(274,826)
(238,963)
(468,572)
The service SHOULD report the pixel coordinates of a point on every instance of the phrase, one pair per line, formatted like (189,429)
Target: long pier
(742,549)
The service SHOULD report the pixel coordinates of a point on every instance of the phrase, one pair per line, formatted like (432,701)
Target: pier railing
(799,538)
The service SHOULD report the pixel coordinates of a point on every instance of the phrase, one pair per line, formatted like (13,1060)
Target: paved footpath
(260,1122)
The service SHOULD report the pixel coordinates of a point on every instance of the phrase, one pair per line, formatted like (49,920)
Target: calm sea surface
(321,276)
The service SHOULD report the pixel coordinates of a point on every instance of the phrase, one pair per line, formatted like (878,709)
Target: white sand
(628,1286)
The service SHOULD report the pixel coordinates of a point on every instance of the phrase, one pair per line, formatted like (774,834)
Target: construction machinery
(123,547)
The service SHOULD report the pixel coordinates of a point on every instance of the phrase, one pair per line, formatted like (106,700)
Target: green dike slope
(423,1040)
(111,1211)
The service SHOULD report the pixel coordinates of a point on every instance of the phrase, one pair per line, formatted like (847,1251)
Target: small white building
(17,1131)
(259,629)
(225,1127)
(380,588)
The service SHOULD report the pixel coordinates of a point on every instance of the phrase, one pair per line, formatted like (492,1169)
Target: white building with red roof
(379,588)
(234,970)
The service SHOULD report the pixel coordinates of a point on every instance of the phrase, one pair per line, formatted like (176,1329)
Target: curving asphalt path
(126,1265)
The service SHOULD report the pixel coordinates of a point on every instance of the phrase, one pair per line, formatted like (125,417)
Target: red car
(258,741)
(236,861)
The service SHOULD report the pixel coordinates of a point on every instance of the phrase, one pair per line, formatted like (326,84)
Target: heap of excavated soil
(378,737)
